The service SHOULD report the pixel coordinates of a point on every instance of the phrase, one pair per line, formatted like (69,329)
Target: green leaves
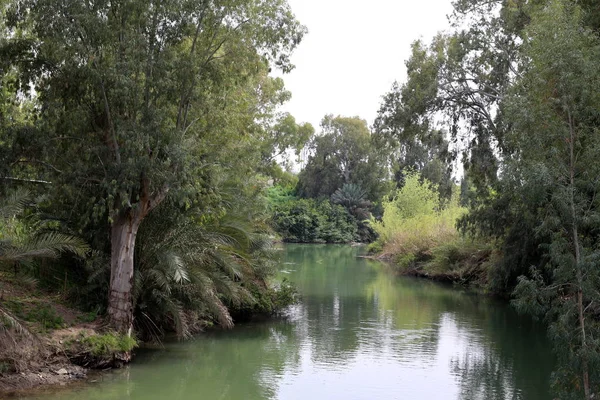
(22,243)
(152,90)
(314,221)
(342,154)
(553,170)
(46,245)
(139,104)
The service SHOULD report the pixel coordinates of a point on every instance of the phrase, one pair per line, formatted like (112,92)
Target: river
(358,333)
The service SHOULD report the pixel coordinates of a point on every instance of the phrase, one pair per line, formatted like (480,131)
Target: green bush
(46,316)
(462,259)
(269,300)
(314,221)
(37,312)
(277,195)
(284,295)
(414,223)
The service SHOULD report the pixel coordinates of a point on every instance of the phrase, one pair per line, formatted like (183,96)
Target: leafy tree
(515,87)
(405,135)
(284,136)
(458,81)
(131,94)
(554,109)
(342,154)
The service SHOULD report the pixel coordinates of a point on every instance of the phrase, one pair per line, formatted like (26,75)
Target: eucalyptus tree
(449,105)
(554,168)
(283,136)
(138,98)
(407,139)
(516,85)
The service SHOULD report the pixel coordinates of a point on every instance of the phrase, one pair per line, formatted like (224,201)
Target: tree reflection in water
(358,333)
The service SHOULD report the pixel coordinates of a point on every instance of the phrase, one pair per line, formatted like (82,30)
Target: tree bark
(578,272)
(120,300)
(123,234)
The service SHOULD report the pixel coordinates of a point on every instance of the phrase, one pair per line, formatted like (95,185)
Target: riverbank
(45,342)
(356,333)
(464,262)
(48,343)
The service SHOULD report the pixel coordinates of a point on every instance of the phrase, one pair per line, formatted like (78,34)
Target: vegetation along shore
(147,171)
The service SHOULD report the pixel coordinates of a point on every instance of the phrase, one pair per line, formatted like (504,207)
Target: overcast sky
(354,51)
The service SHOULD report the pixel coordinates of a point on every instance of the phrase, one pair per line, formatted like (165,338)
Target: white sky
(354,51)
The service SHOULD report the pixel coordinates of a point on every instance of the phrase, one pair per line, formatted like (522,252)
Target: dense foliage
(416,223)
(152,131)
(343,153)
(311,220)
(338,189)
(146,125)
(514,89)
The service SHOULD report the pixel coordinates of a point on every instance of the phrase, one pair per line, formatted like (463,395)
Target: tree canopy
(343,153)
(138,103)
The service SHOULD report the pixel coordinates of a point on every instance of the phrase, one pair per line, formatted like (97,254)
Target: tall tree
(405,135)
(457,81)
(555,134)
(130,97)
(342,154)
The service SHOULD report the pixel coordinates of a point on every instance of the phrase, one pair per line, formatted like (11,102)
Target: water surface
(358,333)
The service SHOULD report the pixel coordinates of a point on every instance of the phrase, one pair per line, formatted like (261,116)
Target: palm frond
(186,269)
(11,325)
(14,203)
(46,245)
(177,267)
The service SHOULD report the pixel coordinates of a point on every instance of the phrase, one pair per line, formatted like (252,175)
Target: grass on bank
(109,343)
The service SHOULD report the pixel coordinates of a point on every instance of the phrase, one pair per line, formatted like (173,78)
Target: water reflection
(357,334)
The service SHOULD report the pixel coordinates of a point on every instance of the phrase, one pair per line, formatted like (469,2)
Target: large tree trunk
(123,233)
(120,301)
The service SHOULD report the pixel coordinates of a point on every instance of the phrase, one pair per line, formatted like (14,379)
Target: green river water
(358,333)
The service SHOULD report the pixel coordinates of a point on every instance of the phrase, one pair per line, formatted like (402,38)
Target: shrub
(284,295)
(269,301)
(464,259)
(46,316)
(414,222)
(40,313)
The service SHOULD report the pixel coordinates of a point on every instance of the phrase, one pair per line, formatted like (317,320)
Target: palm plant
(187,271)
(24,242)
(354,199)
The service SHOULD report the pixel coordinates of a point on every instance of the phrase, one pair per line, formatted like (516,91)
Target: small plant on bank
(109,343)
(285,295)
(46,316)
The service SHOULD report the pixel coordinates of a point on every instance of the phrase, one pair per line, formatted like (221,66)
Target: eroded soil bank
(43,342)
